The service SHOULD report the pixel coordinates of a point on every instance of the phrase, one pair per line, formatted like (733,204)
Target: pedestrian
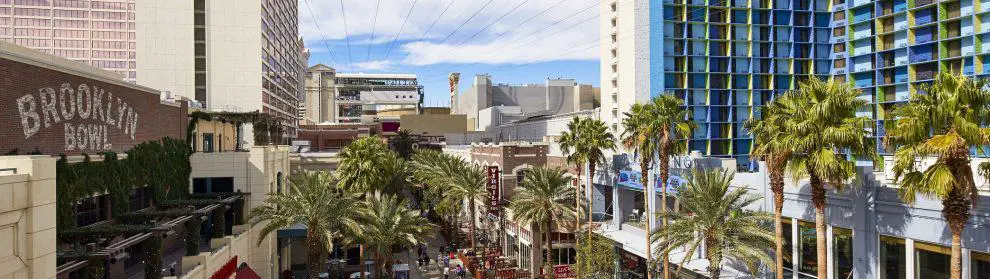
(446,261)
(439,261)
(460,271)
(446,270)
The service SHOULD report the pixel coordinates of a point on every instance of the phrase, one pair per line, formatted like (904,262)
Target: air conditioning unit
(840,55)
(903,98)
(902,45)
(840,40)
(968,33)
(968,53)
(840,71)
(902,80)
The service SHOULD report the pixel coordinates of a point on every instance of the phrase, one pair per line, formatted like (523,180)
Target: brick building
(56,106)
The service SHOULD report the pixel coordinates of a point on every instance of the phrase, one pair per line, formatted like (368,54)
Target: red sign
(494,195)
(228,269)
(563,271)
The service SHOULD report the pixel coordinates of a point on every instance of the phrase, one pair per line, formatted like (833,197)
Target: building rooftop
(363,75)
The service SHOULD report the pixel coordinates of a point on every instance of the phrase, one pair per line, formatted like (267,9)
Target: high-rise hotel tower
(726,58)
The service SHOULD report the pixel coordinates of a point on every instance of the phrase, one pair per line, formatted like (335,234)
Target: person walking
(460,272)
(439,261)
(446,271)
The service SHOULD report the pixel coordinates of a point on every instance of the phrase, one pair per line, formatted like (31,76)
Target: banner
(494,195)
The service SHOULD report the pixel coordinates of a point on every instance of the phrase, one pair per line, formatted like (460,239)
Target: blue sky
(516,41)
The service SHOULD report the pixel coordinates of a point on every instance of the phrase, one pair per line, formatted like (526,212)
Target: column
(909,258)
(616,207)
(829,252)
(795,238)
(966,262)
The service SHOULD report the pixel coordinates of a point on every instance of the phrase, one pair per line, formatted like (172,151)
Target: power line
(374,23)
(466,21)
(347,37)
(435,20)
(493,22)
(318,28)
(527,20)
(389,51)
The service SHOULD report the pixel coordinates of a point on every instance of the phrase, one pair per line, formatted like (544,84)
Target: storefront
(631,266)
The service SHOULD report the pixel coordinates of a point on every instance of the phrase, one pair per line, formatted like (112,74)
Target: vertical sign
(494,194)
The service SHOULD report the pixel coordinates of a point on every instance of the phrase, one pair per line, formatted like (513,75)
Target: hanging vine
(192,236)
(153,257)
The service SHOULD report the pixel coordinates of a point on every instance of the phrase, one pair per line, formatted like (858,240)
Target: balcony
(919,3)
(925,75)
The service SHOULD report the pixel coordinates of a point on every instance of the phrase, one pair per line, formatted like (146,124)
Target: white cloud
(377,65)
(514,46)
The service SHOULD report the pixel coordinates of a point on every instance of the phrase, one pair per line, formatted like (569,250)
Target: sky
(515,41)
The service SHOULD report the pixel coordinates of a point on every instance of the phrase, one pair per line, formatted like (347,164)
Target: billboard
(494,195)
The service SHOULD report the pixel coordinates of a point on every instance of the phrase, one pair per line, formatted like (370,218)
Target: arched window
(520,176)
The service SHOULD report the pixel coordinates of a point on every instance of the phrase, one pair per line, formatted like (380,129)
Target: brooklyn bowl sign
(54,110)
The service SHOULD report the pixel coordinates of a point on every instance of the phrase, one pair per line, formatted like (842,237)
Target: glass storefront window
(788,240)
(980,265)
(931,261)
(525,257)
(808,260)
(842,250)
(892,258)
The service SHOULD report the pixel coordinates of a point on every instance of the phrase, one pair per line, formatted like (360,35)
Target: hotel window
(931,261)
(980,265)
(520,176)
(842,250)
(893,262)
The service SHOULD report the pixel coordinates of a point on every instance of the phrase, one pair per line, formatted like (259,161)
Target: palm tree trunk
(818,199)
(714,256)
(664,166)
(777,186)
(549,262)
(361,261)
(313,254)
(644,167)
(577,221)
(956,206)
(591,201)
(474,217)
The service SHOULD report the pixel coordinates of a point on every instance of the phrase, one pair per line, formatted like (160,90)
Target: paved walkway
(432,270)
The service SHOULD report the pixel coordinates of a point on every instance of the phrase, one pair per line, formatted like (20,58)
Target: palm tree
(387,223)
(770,144)
(546,198)
(367,165)
(657,129)
(715,215)
(454,179)
(824,131)
(944,123)
(585,141)
(403,143)
(315,203)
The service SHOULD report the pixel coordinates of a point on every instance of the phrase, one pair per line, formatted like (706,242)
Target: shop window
(893,261)
(980,265)
(931,261)
(842,250)
(788,242)
(807,251)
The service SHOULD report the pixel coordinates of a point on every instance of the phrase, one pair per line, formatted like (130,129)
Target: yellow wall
(434,124)
(220,130)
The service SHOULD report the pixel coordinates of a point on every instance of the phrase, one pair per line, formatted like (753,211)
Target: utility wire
(324,36)
(466,21)
(347,37)
(389,51)
(435,21)
(374,23)
(493,22)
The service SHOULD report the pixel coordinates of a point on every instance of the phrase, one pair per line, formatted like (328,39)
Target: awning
(294,231)
(631,180)
(245,272)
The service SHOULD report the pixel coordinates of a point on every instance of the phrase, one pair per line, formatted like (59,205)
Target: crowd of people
(444,256)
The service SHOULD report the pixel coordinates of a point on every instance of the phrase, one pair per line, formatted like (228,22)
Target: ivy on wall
(153,257)
(162,165)
(267,129)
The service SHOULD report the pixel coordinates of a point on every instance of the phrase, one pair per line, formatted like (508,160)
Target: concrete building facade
(556,96)
(340,98)
(98,33)
(235,56)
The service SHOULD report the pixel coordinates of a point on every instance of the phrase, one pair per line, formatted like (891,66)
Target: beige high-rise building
(340,98)
(229,55)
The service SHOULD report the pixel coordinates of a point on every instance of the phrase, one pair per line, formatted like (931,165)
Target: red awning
(245,272)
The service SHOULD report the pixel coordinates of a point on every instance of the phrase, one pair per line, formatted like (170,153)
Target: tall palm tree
(387,223)
(715,216)
(455,180)
(825,132)
(944,124)
(315,203)
(585,142)
(657,129)
(546,198)
(403,143)
(770,145)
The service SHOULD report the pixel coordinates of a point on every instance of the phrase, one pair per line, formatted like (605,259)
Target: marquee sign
(494,195)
